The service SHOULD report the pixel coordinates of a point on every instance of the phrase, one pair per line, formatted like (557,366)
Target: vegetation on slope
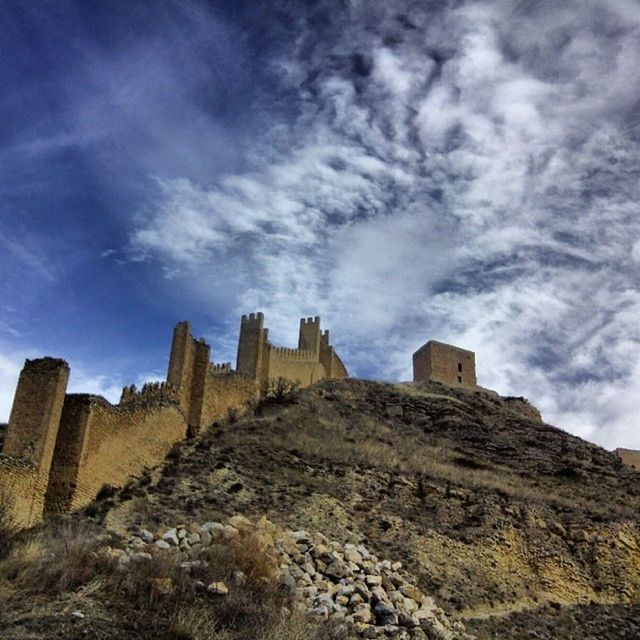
(501,517)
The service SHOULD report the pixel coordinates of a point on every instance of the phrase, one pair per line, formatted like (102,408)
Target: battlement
(150,391)
(60,449)
(293,354)
(253,318)
(218,369)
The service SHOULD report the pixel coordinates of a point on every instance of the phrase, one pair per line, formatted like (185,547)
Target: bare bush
(282,390)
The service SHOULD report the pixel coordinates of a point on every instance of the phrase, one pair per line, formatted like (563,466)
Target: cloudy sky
(466,171)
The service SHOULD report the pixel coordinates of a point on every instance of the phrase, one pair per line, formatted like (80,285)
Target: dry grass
(173,606)
(439,462)
(55,559)
(159,597)
(7,530)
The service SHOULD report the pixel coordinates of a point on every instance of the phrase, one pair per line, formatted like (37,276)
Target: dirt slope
(494,511)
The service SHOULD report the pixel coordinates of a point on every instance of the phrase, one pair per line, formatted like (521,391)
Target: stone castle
(61,449)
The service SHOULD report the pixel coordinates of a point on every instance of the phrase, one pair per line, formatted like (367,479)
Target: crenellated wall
(313,360)
(60,449)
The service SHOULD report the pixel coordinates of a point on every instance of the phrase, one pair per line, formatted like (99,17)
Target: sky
(465,171)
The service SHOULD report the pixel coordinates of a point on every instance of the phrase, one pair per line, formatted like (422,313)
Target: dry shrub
(56,559)
(7,529)
(282,390)
(174,606)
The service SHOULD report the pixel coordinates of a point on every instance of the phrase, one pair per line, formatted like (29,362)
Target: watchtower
(253,337)
(188,365)
(440,362)
(35,415)
(309,338)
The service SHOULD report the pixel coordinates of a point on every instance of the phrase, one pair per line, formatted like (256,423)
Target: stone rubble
(330,580)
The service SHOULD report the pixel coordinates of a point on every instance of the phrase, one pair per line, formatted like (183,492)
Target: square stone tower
(440,362)
(35,415)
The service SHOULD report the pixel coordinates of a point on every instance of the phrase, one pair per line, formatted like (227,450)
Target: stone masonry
(313,360)
(630,457)
(59,450)
(440,362)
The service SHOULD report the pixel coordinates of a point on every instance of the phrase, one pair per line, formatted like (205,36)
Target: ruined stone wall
(440,362)
(630,457)
(102,444)
(22,490)
(60,450)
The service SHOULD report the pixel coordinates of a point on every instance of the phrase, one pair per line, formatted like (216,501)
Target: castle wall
(630,457)
(225,391)
(333,366)
(22,490)
(440,362)
(313,360)
(60,450)
(294,364)
(102,444)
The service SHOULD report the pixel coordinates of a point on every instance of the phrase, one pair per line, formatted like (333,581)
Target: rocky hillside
(513,527)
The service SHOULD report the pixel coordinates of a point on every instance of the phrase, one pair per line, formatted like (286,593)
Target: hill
(514,527)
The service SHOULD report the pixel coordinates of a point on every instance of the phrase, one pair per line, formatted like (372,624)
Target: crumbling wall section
(102,444)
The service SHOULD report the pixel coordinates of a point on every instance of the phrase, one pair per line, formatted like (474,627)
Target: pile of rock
(342,582)
(348,582)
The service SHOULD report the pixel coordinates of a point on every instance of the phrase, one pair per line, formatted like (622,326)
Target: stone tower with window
(440,362)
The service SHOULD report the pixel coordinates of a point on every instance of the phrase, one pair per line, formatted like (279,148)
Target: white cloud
(475,181)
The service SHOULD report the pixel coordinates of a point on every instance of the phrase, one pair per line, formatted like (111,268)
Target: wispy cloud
(464,171)
(468,173)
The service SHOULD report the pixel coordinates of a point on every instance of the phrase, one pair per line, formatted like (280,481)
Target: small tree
(282,390)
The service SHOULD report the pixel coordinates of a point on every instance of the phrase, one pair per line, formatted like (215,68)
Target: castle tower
(35,415)
(188,365)
(440,362)
(198,382)
(309,338)
(251,346)
(181,361)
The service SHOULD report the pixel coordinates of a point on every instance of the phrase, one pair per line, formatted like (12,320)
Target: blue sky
(463,171)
